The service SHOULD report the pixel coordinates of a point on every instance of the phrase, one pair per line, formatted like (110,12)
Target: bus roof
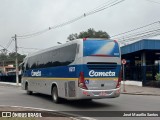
(54,47)
(65,44)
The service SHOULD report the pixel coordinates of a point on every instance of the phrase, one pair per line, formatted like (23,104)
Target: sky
(23,17)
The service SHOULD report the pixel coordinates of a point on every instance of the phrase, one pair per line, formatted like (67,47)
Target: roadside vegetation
(156,82)
(90,33)
(157,77)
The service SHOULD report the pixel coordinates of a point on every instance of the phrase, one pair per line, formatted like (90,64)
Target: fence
(141,73)
(10,78)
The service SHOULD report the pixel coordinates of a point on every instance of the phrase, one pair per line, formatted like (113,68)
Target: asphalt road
(14,96)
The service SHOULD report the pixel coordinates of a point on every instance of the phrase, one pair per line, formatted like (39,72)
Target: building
(143,60)
(4,70)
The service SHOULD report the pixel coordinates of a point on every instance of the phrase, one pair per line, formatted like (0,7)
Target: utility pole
(123,63)
(3,59)
(16,61)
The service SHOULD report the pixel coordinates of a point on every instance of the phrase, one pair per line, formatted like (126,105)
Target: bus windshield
(102,48)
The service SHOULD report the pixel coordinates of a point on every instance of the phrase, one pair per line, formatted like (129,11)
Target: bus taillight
(119,80)
(84,39)
(81,82)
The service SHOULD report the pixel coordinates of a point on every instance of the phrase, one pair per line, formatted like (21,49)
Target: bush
(157,76)
(154,83)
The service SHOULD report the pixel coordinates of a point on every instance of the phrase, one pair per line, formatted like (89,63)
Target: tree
(10,58)
(73,36)
(90,33)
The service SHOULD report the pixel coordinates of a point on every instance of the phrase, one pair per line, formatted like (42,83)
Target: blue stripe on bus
(70,71)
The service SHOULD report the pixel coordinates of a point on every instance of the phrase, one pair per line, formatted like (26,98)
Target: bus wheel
(28,92)
(55,97)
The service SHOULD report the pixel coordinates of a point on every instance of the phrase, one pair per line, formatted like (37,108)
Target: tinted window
(101,48)
(58,57)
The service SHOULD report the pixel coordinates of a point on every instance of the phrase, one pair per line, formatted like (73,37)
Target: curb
(9,84)
(142,94)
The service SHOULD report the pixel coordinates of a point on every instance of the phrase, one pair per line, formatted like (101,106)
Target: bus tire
(28,91)
(55,97)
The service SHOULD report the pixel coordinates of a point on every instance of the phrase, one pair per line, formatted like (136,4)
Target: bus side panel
(64,77)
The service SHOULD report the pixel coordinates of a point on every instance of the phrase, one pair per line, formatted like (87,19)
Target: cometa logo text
(92,73)
(37,73)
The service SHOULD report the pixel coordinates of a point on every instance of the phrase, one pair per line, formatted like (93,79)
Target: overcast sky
(28,16)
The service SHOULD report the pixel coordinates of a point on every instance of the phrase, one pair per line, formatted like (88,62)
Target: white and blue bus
(81,69)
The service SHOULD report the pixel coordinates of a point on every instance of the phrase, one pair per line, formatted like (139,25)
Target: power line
(146,31)
(153,1)
(104,7)
(30,48)
(9,43)
(136,29)
(13,50)
(96,10)
(139,36)
(149,34)
(4,48)
(137,33)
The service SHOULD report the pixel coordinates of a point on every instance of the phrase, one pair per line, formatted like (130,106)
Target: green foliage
(90,33)
(73,36)
(157,76)
(10,57)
